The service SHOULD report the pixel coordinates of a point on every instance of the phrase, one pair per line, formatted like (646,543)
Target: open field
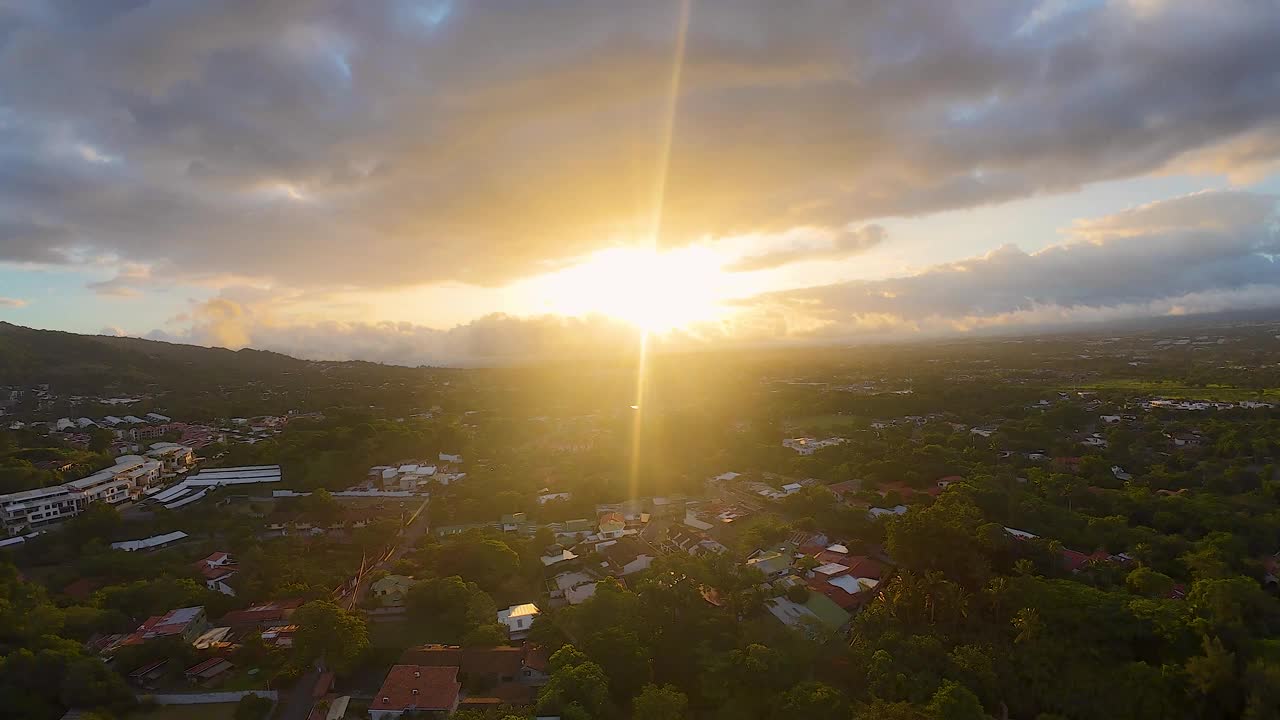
(1181,391)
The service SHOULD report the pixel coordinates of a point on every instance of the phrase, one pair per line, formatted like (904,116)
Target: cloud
(845,244)
(112,331)
(492,339)
(8,302)
(125,283)
(1197,253)
(312,143)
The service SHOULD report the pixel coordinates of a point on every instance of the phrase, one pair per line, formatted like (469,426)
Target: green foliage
(252,707)
(451,610)
(578,688)
(327,633)
(660,702)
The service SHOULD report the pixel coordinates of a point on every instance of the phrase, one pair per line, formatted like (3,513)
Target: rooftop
(418,686)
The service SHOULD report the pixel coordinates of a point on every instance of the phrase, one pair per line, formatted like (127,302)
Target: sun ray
(666,132)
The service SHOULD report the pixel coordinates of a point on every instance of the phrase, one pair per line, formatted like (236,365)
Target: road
(296,703)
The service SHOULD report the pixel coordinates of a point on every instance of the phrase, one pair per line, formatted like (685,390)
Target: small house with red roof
(217,569)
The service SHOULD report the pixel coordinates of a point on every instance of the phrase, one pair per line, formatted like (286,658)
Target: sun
(657,291)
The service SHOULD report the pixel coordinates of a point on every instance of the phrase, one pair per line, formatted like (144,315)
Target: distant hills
(89,363)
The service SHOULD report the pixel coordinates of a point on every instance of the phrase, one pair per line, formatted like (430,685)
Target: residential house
(850,581)
(391,590)
(416,689)
(217,569)
(187,623)
(879,512)
(484,666)
(842,489)
(262,615)
(693,542)
(612,524)
(518,619)
(556,554)
(771,564)
(626,555)
(209,672)
(174,458)
(817,610)
(148,676)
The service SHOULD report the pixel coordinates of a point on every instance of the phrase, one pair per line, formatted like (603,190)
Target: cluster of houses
(415,476)
(192,626)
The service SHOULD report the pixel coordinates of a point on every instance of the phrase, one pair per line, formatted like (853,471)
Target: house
(187,623)
(948,481)
(847,580)
(172,456)
(208,672)
(518,619)
(557,554)
(809,446)
(262,615)
(878,512)
(547,497)
(486,666)
(1075,561)
(391,590)
(841,489)
(416,689)
(817,609)
(148,676)
(771,564)
(217,569)
(626,555)
(694,542)
(280,636)
(611,524)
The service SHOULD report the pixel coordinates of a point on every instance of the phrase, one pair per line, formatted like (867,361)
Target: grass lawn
(392,634)
(213,711)
(1176,390)
(826,422)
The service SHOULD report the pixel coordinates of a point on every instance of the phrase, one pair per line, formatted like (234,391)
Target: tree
(1148,582)
(623,657)
(798,594)
(660,702)
(253,707)
(814,701)
(577,687)
(452,610)
(100,439)
(330,634)
(953,701)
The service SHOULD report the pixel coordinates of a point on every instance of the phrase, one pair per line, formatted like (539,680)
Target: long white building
(24,511)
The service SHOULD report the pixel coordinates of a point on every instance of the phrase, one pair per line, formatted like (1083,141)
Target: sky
(454,182)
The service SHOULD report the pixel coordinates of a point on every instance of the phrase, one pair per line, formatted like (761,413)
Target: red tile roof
(420,687)
(270,612)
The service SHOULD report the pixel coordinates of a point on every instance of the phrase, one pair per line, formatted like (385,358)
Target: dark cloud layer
(321,143)
(1197,253)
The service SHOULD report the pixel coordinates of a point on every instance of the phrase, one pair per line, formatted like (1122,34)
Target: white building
(518,619)
(172,456)
(30,509)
